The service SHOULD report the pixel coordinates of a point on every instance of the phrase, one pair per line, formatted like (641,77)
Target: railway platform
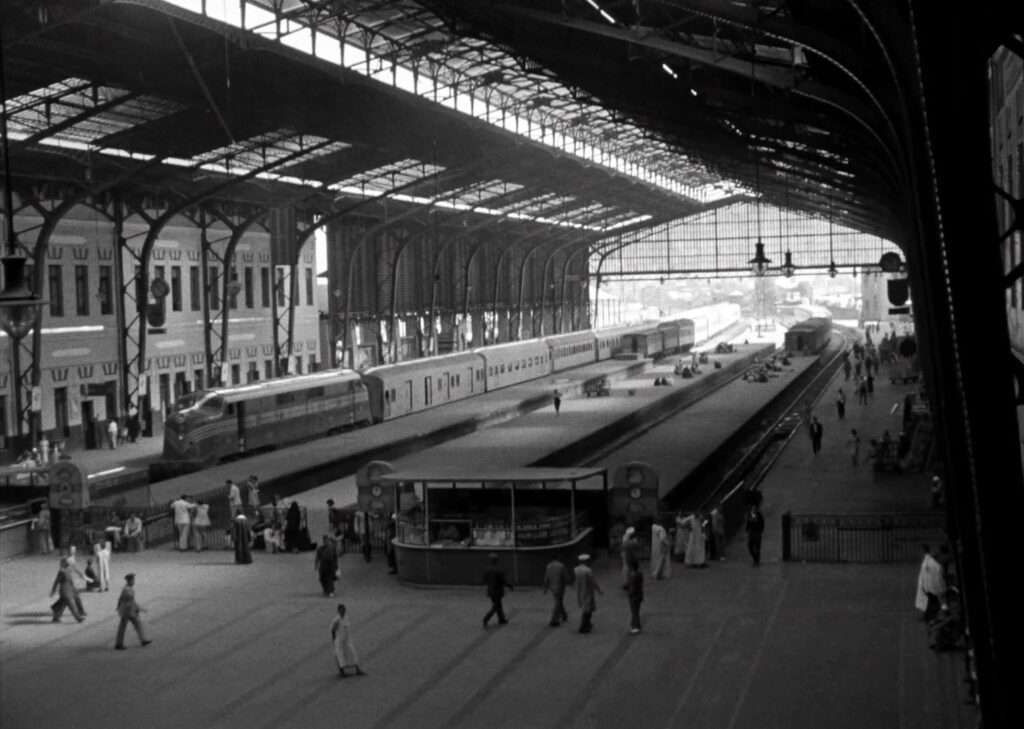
(785,645)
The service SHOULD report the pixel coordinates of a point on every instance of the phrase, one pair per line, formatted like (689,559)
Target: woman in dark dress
(292,527)
(241,536)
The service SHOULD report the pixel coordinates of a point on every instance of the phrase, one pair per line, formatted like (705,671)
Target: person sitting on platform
(133,532)
(260,532)
(686,373)
(114,529)
(947,629)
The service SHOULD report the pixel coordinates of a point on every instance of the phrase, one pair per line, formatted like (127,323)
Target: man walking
(557,401)
(635,593)
(586,589)
(841,404)
(556,579)
(129,611)
(344,651)
(755,529)
(930,586)
(326,565)
(816,432)
(496,583)
(853,446)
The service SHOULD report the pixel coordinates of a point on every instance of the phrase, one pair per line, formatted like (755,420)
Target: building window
(106,289)
(56,281)
(195,288)
(280,287)
(197,378)
(313,366)
(82,290)
(175,288)
(268,368)
(298,365)
(233,298)
(265,287)
(214,274)
(236,374)
(249,302)
(309,287)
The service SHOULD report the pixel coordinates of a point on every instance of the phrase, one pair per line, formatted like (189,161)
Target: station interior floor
(785,645)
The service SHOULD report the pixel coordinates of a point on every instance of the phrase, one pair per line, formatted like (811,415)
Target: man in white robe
(931,586)
(661,547)
(344,651)
(695,553)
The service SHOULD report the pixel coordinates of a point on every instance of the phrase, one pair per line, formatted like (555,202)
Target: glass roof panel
(389,176)
(96,107)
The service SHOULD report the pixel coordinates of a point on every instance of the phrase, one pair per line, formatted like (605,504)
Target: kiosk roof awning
(477,476)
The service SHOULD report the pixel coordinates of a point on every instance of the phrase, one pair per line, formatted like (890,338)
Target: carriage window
(285,397)
(231,408)
(315,392)
(503,369)
(440,384)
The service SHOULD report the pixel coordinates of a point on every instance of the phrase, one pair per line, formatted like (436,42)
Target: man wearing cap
(586,587)
(496,583)
(129,611)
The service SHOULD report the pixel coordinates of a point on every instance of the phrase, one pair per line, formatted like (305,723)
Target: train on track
(208,426)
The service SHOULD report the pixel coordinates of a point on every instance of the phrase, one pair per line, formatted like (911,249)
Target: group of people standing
(191,523)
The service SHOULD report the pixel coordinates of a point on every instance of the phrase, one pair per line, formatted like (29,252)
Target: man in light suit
(556,579)
(586,587)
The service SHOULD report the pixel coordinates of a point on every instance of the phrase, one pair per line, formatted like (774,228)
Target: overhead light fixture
(832,270)
(788,269)
(759,263)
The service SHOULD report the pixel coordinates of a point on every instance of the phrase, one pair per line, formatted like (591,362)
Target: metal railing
(867,538)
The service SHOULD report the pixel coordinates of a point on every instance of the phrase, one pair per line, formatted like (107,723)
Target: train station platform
(786,645)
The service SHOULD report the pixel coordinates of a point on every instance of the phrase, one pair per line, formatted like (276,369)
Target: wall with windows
(81,344)
(1006,96)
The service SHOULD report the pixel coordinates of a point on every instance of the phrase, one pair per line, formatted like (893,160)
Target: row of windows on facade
(234,377)
(181,386)
(247,290)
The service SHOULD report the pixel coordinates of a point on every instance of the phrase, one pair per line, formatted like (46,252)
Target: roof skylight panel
(387,177)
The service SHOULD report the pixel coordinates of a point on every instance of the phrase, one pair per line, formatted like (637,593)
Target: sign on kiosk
(68,486)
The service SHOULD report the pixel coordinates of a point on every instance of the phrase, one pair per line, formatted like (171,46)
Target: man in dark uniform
(129,611)
(816,432)
(755,528)
(390,534)
(496,583)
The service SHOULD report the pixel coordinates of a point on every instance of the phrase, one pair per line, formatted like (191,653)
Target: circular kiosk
(525,515)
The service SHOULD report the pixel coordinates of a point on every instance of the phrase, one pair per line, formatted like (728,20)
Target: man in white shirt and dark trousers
(182,508)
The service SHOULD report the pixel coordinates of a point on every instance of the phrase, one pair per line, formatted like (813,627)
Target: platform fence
(863,538)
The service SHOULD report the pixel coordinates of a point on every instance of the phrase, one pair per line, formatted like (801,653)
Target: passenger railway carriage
(515,362)
(408,387)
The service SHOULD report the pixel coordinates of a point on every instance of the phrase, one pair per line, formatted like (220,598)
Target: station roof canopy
(479,476)
(597,115)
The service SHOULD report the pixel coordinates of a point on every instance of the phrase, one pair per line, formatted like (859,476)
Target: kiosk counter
(526,516)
